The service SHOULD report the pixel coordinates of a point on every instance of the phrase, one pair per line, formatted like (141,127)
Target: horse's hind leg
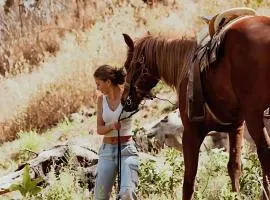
(192,141)
(234,164)
(258,132)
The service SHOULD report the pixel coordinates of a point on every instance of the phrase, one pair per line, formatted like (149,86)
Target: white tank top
(110,116)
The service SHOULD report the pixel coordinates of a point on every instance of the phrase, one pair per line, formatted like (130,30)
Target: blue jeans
(107,170)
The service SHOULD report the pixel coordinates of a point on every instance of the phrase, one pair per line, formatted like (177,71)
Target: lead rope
(119,150)
(119,142)
(119,158)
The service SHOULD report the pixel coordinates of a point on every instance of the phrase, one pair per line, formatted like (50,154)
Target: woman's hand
(116,125)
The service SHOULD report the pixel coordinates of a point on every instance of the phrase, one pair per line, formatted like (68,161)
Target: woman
(108,81)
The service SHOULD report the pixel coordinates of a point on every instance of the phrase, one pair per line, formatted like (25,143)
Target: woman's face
(102,86)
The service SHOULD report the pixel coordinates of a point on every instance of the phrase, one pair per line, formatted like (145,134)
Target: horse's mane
(171,57)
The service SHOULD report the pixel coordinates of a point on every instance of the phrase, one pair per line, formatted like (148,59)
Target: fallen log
(55,158)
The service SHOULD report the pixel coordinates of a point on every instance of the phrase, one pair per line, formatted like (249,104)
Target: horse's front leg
(192,141)
(234,164)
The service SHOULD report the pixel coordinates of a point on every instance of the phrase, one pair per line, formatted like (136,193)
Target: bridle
(141,74)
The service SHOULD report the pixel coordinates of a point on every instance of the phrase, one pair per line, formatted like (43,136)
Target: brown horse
(236,88)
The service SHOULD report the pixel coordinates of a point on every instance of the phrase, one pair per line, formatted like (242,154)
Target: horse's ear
(129,41)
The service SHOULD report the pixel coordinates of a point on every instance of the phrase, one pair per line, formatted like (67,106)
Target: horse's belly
(219,93)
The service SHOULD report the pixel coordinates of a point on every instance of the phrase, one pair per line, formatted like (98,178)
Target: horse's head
(140,79)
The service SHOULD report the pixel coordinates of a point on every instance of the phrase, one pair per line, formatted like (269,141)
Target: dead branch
(55,158)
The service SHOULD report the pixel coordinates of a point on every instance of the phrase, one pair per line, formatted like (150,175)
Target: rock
(169,130)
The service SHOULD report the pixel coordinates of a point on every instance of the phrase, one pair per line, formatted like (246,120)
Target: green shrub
(164,179)
(161,180)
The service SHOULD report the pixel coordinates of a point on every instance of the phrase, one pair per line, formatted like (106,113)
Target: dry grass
(48,53)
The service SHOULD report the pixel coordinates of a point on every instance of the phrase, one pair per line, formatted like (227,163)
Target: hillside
(48,52)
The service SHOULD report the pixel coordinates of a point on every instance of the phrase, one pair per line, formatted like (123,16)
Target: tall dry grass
(48,52)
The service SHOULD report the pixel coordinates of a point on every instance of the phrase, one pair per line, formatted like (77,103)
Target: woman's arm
(102,129)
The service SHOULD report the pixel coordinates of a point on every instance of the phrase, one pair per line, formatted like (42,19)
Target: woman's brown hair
(107,72)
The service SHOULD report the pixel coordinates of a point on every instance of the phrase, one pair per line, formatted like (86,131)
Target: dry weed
(48,51)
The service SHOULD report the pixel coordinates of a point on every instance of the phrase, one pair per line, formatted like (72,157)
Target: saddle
(209,40)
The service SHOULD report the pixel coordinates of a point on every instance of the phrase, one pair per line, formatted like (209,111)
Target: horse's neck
(174,60)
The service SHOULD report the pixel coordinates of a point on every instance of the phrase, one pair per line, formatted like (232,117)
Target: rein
(118,135)
(119,148)
(162,99)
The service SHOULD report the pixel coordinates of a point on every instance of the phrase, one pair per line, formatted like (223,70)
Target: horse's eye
(144,71)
